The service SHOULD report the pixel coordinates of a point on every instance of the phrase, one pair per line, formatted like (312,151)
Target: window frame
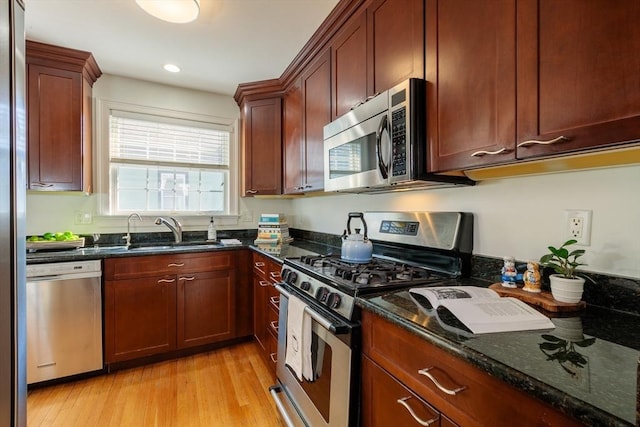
(102,163)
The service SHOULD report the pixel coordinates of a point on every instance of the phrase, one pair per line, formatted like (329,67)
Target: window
(159,164)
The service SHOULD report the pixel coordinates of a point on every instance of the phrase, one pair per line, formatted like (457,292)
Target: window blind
(137,140)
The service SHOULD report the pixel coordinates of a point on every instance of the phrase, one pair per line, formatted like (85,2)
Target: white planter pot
(566,290)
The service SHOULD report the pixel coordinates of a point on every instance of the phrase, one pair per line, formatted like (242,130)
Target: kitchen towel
(298,352)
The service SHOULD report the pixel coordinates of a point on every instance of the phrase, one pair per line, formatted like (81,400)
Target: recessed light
(172,68)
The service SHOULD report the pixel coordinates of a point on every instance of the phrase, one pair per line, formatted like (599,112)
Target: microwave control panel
(399,142)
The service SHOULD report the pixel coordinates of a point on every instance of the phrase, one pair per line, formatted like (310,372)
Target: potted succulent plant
(566,286)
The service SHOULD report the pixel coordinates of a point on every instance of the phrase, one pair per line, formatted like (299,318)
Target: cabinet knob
(529,142)
(403,402)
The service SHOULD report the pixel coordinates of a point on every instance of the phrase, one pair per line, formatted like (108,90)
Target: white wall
(516,216)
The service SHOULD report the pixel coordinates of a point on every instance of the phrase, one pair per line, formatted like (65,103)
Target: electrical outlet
(83,218)
(578,226)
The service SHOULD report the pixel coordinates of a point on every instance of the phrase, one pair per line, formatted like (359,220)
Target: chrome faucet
(176,227)
(127,238)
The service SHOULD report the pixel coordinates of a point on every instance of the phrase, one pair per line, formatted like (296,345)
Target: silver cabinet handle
(175,265)
(275,301)
(188,279)
(561,138)
(273,357)
(443,389)
(41,184)
(490,153)
(264,284)
(274,325)
(259,264)
(252,191)
(166,280)
(275,275)
(404,403)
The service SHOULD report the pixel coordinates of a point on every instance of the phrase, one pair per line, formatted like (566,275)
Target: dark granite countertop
(601,390)
(278,253)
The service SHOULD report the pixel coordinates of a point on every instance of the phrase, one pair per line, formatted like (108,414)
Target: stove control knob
(333,300)
(289,276)
(305,286)
(322,293)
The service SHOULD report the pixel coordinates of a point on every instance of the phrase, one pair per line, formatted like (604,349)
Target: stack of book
(273,229)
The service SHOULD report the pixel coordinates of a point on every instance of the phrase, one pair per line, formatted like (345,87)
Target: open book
(481,310)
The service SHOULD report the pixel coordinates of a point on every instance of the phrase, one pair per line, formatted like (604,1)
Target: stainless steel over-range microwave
(380,145)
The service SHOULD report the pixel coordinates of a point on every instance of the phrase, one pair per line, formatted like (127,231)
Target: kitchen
(516,216)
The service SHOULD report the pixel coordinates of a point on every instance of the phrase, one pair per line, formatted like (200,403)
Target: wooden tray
(48,245)
(544,299)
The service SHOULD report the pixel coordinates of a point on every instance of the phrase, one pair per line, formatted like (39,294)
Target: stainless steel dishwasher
(64,319)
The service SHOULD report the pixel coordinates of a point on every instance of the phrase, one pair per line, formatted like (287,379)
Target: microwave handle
(384,170)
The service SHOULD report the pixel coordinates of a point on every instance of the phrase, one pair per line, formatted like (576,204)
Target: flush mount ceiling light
(171,68)
(176,11)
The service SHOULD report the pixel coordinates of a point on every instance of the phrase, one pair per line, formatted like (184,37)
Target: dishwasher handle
(71,276)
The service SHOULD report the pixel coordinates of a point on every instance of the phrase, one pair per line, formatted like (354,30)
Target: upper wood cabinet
(471,91)
(349,59)
(316,93)
(262,146)
(307,110)
(541,79)
(395,42)
(380,46)
(292,139)
(59,116)
(578,73)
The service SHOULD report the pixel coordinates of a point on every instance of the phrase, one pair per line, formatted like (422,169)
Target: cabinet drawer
(386,402)
(132,267)
(266,268)
(465,393)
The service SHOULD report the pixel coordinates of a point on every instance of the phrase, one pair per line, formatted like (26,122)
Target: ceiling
(231,42)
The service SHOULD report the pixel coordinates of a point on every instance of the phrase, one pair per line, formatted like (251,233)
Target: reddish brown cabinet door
(471,91)
(292,140)
(395,38)
(386,402)
(260,313)
(262,138)
(59,117)
(205,308)
(140,317)
(348,59)
(316,92)
(578,73)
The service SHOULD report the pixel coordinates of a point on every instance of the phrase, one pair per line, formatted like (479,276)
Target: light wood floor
(225,387)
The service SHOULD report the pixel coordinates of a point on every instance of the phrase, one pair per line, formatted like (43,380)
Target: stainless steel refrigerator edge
(13,389)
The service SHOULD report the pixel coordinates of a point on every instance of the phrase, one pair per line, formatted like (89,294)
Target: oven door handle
(335,328)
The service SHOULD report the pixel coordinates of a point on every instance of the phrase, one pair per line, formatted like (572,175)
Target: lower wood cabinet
(160,303)
(266,300)
(438,383)
(387,402)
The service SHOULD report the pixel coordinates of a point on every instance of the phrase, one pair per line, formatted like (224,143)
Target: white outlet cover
(585,216)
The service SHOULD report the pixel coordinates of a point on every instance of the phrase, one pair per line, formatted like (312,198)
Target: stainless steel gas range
(410,249)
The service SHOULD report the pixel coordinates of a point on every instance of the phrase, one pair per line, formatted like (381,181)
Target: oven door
(329,399)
